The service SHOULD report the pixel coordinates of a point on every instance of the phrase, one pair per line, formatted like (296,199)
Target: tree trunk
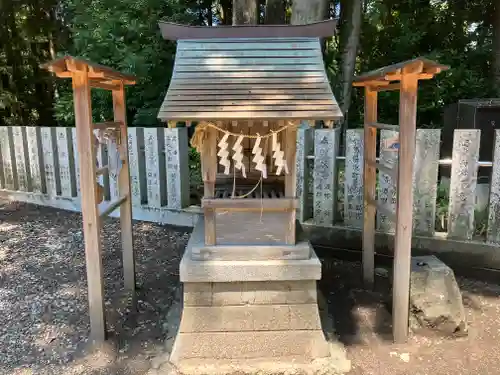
(307,11)
(350,27)
(496,45)
(245,12)
(275,12)
(225,11)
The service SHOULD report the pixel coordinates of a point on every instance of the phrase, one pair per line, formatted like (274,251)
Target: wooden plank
(404,211)
(353,178)
(8,159)
(180,107)
(91,224)
(133,160)
(463,182)
(291,53)
(245,81)
(250,46)
(389,87)
(387,183)
(256,115)
(177,167)
(76,162)
(384,126)
(493,232)
(106,125)
(325,176)
(294,74)
(113,163)
(124,190)
(241,101)
(318,67)
(369,187)
(97,84)
(108,207)
(65,156)
(305,147)
(49,155)
(281,204)
(101,159)
(190,95)
(247,61)
(425,176)
(152,148)
(249,89)
(34,143)
(21,158)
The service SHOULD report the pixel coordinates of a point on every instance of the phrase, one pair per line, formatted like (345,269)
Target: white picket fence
(39,165)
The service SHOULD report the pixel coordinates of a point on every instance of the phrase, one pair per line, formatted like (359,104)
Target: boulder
(435,298)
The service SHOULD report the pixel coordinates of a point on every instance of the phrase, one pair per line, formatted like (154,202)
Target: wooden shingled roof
(250,72)
(66,65)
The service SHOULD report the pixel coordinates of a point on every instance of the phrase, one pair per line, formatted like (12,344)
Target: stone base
(435,298)
(249,315)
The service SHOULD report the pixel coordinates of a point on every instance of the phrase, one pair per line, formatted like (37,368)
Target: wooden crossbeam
(105,85)
(111,206)
(101,170)
(383,210)
(384,126)
(280,204)
(389,87)
(383,168)
(107,125)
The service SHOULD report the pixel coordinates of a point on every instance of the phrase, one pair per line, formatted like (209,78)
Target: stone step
(250,318)
(245,345)
(250,293)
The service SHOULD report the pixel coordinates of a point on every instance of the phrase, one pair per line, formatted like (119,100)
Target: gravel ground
(44,321)
(43,296)
(364,325)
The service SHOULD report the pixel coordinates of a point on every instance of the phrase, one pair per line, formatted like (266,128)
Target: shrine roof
(249,72)
(66,65)
(420,65)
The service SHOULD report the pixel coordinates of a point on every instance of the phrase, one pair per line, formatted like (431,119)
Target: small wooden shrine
(249,276)
(404,78)
(85,76)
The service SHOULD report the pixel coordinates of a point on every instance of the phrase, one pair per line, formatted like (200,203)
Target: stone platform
(249,314)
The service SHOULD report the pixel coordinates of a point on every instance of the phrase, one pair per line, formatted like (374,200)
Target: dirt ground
(43,305)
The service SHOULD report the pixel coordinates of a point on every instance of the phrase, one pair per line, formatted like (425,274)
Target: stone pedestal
(245,311)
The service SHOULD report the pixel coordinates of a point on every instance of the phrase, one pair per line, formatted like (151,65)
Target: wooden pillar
(90,213)
(209,174)
(128,255)
(404,208)
(369,183)
(209,162)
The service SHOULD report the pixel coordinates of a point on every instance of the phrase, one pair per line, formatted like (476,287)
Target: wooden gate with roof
(404,77)
(85,76)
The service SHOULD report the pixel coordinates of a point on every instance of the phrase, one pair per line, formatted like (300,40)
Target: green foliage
(457,33)
(125,35)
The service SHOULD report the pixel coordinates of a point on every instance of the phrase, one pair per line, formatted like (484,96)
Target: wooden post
(124,191)
(90,213)
(209,174)
(404,208)
(369,183)
(209,162)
